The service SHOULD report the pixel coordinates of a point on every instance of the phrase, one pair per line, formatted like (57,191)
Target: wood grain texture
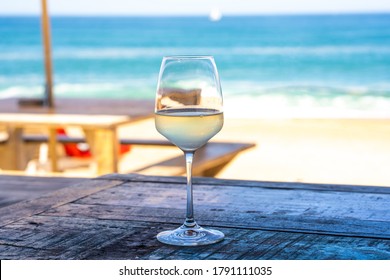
(54,199)
(119,216)
(338,213)
(18,188)
(134,177)
(69,238)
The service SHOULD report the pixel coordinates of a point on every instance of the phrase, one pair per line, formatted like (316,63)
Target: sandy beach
(334,151)
(327,151)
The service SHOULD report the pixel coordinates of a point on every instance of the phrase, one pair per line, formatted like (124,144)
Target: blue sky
(191,7)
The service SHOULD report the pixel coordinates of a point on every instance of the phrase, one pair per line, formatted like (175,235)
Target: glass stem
(190,222)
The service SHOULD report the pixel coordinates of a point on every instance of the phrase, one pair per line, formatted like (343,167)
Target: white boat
(215,15)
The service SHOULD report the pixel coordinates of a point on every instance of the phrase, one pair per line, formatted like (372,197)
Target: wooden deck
(118,217)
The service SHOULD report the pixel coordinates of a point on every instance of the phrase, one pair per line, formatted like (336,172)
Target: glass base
(190,236)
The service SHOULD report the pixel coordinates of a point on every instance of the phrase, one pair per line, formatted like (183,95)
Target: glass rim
(180,57)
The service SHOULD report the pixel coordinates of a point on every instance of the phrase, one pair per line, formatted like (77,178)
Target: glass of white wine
(188,113)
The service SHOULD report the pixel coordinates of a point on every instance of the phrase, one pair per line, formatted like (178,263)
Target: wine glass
(188,113)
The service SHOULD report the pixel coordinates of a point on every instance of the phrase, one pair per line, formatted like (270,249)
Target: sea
(304,66)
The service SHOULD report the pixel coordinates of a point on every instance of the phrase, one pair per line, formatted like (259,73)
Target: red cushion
(73,150)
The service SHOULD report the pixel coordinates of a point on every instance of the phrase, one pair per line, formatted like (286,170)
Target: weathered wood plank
(59,238)
(250,200)
(17,188)
(68,238)
(119,219)
(209,217)
(247,183)
(342,213)
(8,182)
(31,207)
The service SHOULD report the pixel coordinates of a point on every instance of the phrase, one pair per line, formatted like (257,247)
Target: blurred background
(311,79)
(298,58)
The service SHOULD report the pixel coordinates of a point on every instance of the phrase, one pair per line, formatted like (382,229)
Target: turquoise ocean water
(304,66)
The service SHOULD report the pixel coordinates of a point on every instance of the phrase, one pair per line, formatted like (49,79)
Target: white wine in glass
(189,113)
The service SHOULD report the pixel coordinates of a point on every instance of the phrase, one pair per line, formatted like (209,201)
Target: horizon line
(200,14)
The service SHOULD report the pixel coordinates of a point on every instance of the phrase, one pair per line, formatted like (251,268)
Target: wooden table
(118,217)
(14,189)
(137,109)
(99,119)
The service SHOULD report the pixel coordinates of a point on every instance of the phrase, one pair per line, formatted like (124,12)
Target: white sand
(303,150)
(293,150)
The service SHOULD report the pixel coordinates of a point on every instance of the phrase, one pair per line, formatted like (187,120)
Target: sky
(191,7)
